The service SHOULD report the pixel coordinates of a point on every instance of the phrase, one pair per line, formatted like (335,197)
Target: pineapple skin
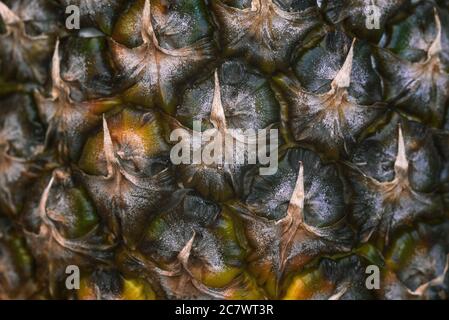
(86,177)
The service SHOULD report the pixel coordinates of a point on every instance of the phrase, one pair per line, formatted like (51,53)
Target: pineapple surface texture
(92,205)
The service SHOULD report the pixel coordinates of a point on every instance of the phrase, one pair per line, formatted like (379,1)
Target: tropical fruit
(109,189)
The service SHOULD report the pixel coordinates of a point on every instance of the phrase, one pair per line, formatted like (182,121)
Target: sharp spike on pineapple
(296,204)
(292,220)
(108,147)
(401,163)
(340,293)
(217,115)
(184,254)
(343,78)
(44,199)
(56,67)
(436,46)
(8,16)
(147,31)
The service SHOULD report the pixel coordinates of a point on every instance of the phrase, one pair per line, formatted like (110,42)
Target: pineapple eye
(248,103)
(270,196)
(137,143)
(86,67)
(396,177)
(21,141)
(412,37)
